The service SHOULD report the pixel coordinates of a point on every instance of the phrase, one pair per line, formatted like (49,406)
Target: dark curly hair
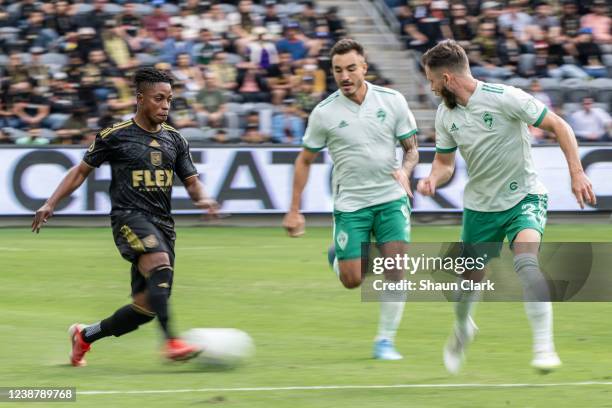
(145,77)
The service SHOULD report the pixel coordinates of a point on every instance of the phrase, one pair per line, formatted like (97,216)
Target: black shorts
(136,234)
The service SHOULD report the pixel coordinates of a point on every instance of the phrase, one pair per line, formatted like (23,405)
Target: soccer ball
(221,347)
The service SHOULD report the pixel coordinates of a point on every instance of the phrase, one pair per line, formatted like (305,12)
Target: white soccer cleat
(545,361)
(385,350)
(456,345)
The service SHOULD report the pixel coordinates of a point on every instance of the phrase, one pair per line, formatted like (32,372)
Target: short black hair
(345,46)
(148,76)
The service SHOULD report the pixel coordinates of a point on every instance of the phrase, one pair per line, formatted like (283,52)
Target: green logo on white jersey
(513,186)
(381,115)
(488,119)
(454,128)
(343,124)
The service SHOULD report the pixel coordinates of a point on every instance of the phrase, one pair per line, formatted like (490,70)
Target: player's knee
(147,263)
(159,281)
(350,281)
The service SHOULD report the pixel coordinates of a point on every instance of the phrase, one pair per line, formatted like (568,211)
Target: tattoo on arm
(411,154)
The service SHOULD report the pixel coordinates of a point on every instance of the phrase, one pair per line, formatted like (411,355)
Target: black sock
(124,320)
(158,287)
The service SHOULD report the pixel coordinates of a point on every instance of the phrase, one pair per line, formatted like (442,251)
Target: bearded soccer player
(144,154)
(503,198)
(361,124)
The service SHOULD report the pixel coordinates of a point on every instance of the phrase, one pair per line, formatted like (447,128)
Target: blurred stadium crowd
(560,51)
(251,71)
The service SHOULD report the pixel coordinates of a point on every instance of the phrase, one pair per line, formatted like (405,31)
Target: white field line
(348,387)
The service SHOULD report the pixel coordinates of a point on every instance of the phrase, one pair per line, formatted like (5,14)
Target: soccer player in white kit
(503,197)
(361,124)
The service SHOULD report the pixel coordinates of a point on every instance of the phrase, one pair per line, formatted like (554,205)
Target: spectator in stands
(308,18)
(483,56)
(591,124)
(287,125)
(599,22)
(129,17)
(589,54)
(262,52)
(63,94)
(15,71)
(460,26)
(181,113)
(490,11)
(306,97)
(253,133)
(36,69)
(515,18)
(206,47)
(282,78)
(552,65)
(545,25)
(35,34)
(96,18)
(244,18)
(271,20)
(158,22)
(425,29)
(30,108)
(189,74)
(292,43)
(225,72)
(26,8)
(75,127)
(121,100)
(311,69)
(215,20)
(97,72)
(334,23)
(211,105)
(62,21)
(117,48)
(8,119)
(570,20)
(509,50)
(84,41)
(175,44)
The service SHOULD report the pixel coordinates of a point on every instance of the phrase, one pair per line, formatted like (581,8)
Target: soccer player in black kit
(144,154)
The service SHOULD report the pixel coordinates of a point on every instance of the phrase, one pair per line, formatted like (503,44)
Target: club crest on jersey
(156,158)
(342,239)
(487,117)
(381,115)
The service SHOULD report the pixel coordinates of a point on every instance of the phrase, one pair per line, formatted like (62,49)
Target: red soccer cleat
(178,350)
(79,346)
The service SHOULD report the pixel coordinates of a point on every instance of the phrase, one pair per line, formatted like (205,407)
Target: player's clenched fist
(426,186)
(294,223)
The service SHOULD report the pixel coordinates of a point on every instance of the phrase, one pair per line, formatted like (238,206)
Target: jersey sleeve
(315,138)
(405,125)
(445,143)
(524,107)
(98,151)
(184,165)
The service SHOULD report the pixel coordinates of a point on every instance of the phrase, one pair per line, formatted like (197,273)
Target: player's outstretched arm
(442,170)
(71,181)
(294,221)
(411,159)
(198,195)
(581,185)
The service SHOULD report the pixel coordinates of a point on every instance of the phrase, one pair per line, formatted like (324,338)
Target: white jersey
(492,135)
(362,140)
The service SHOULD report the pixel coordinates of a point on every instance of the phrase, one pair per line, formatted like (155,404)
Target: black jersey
(143,165)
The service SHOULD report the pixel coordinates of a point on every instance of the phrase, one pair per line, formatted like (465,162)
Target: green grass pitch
(309,331)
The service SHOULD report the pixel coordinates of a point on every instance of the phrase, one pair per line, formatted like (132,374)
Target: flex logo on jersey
(148,178)
(342,124)
(487,117)
(381,115)
(454,128)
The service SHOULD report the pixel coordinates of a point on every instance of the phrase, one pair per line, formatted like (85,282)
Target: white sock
(464,308)
(535,288)
(390,318)
(336,267)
